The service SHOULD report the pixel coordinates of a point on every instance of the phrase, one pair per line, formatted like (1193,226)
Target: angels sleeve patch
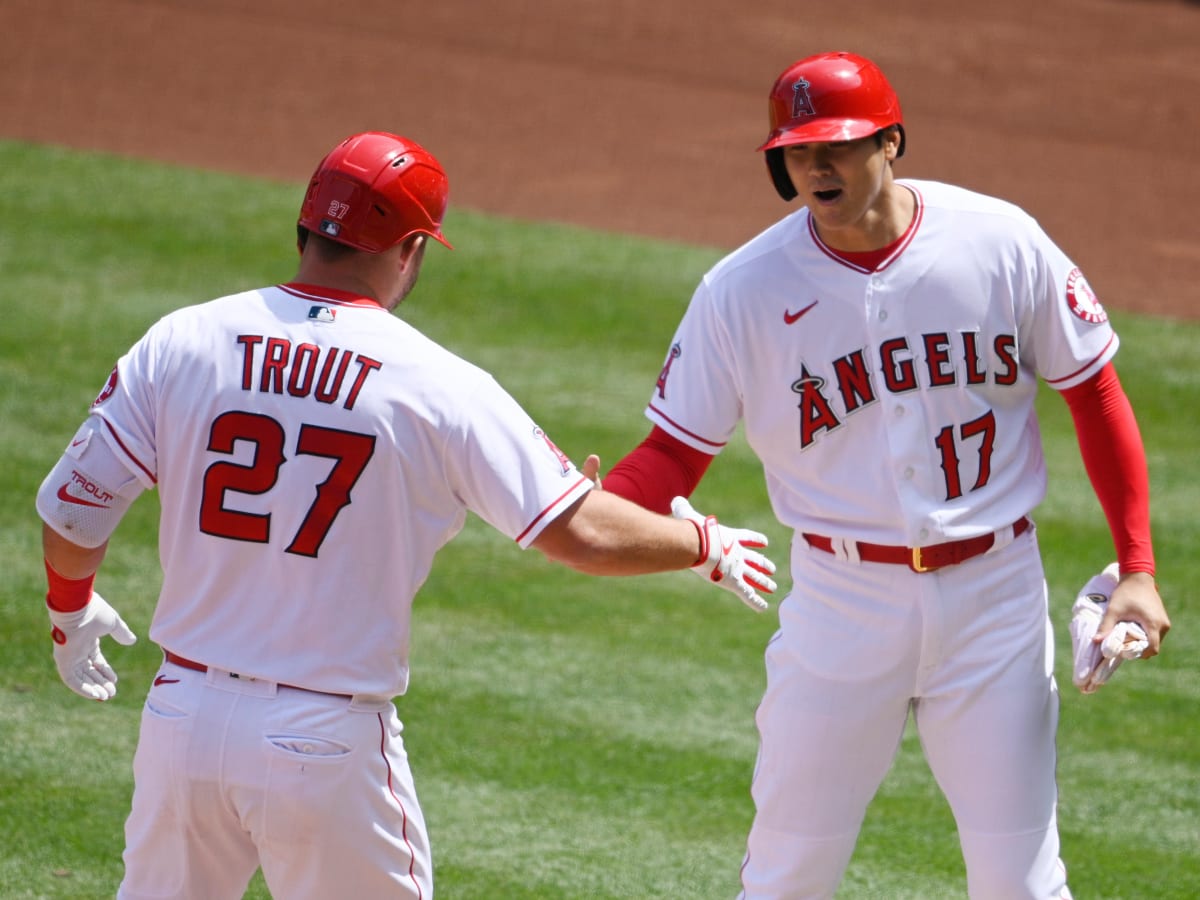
(558,454)
(1082,299)
(107,390)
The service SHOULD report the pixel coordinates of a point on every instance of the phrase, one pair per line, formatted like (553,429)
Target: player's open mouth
(828,196)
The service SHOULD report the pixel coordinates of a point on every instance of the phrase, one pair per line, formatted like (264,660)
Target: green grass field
(570,737)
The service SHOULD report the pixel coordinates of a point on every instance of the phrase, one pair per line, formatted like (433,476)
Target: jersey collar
(874,260)
(328,295)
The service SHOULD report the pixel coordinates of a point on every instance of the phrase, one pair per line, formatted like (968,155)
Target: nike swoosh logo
(67,498)
(791,318)
(78,442)
(163,679)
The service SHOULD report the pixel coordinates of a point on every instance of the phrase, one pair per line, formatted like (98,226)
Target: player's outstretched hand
(1096,661)
(81,664)
(729,558)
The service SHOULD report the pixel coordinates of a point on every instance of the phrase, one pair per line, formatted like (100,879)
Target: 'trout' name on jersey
(274,365)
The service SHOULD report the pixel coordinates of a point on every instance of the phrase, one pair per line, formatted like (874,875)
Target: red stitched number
(985,428)
(350,450)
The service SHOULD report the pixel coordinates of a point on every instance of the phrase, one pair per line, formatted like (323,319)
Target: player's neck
(346,279)
(874,260)
(881,226)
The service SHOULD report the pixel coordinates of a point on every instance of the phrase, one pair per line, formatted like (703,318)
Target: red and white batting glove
(1096,662)
(727,558)
(81,664)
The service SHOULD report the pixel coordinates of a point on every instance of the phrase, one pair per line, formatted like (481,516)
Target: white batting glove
(77,655)
(727,559)
(1095,662)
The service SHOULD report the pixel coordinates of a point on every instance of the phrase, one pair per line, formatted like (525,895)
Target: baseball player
(312,453)
(882,346)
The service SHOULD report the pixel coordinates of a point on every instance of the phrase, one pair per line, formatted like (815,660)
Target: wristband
(703,533)
(67,594)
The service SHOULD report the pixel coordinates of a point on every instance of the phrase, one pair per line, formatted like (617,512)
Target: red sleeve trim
(557,501)
(658,470)
(1115,459)
(658,412)
(1085,366)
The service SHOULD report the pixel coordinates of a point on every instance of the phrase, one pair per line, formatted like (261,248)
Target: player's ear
(412,250)
(893,140)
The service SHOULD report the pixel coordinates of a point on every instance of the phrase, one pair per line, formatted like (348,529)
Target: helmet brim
(820,131)
(437,236)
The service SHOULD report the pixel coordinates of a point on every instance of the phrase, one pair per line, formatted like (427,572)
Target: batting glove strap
(728,558)
(1095,663)
(77,655)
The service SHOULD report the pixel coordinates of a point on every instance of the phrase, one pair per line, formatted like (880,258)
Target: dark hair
(882,131)
(328,250)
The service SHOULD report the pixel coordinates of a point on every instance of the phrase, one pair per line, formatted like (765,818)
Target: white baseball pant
(231,774)
(969,651)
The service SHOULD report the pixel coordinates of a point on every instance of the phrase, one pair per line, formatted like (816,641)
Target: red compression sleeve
(658,470)
(67,594)
(1115,460)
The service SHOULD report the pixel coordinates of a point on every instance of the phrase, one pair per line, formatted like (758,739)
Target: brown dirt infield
(643,115)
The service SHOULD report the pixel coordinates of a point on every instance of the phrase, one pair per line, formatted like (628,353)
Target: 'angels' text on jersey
(852,382)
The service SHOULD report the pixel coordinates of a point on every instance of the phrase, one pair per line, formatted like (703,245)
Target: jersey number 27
(350,450)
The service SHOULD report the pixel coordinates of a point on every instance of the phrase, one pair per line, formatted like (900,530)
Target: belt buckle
(917,565)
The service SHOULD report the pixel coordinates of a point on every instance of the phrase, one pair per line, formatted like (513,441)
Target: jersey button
(883,315)
(909,472)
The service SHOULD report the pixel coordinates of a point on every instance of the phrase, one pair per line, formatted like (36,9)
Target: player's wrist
(702,535)
(1139,573)
(67,594)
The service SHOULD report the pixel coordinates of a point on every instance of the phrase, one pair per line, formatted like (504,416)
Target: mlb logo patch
(322,314)
(330,228)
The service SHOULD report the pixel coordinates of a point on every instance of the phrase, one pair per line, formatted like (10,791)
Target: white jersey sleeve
(1065,335)
(698,394)
(496,459)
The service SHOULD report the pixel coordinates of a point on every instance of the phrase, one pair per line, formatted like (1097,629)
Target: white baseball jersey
(312,453)
(893,406)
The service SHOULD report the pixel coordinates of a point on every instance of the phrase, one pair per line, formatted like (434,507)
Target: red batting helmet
(375,189)
(824,98)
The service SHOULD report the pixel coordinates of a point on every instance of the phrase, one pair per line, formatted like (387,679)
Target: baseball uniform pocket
(310,787)
(157,707)
(307,746)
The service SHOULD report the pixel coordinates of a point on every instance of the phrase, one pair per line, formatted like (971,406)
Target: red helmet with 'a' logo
(825,98)
(375,189)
